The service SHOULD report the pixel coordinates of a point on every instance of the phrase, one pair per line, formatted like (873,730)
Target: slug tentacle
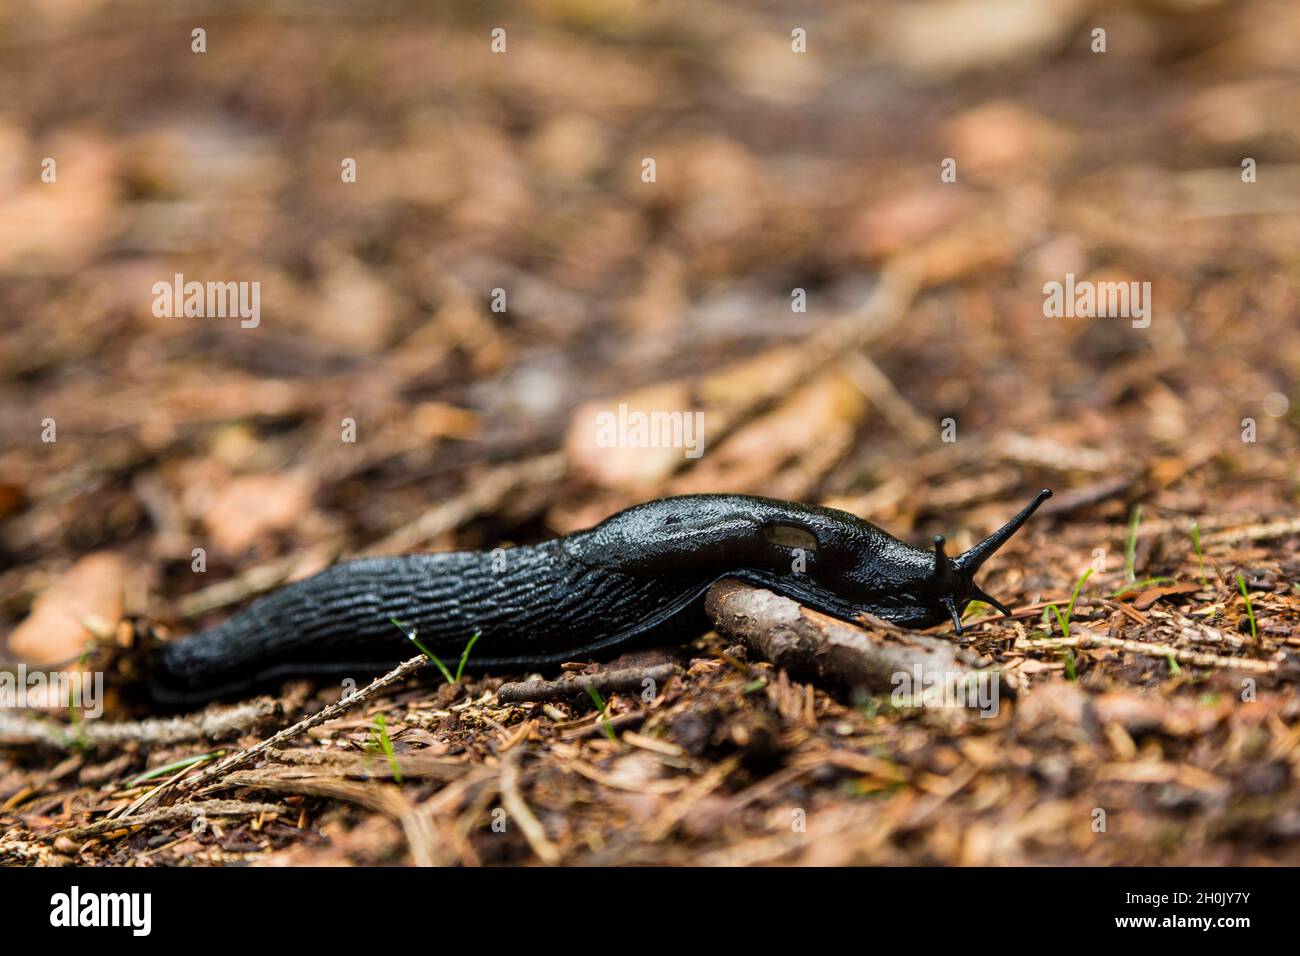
(980,594)
(971,561)
(955,577)
(950,605)
(942,567)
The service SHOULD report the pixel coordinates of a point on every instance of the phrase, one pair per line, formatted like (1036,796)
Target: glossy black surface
(638,578)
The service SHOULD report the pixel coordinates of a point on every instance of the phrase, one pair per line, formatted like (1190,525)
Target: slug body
(636,579)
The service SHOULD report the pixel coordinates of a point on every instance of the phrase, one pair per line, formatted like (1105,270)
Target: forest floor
(923,389)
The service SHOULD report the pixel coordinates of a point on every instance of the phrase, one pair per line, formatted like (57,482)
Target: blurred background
(856,327)
(522,171)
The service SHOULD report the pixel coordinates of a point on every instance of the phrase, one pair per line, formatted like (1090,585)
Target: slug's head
(933,587)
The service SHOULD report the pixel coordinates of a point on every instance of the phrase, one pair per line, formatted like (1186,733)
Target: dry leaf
(625,462)
(251,506)
(1151,595)
(86,600)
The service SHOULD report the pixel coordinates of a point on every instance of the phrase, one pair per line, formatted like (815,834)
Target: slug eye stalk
(971,561)
(957,575)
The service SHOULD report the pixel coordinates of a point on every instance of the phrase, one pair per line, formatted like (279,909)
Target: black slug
(637,578)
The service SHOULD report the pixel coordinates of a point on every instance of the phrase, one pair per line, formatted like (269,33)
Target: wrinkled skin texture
(636,579)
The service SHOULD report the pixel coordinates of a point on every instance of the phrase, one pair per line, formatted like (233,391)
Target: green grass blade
(380,733)
(1062,622)
(460,668)
(1250,610)
(1064,619)
(600,706)
(173,766)
(411,636)
(1077,588)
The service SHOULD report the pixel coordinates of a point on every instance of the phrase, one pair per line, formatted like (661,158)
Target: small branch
(812,645)
(210,725)
(1255,532)
(337,709)
(1196,658)
(1219,529)
(177,814)
(606,682)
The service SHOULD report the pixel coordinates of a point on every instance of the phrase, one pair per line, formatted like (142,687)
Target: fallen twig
(208,809)
(1222,528)
(246,756)
(819,647)
(606,682)
(1196,658)
(210,725)
(1255,532)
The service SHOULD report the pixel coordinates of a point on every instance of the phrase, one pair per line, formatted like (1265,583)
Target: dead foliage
(1163,729)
